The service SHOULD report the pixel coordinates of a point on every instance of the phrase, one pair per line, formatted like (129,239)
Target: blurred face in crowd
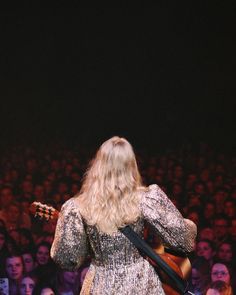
(229,209)
(195,201)
(29,263)
(225,252)
(27,186)
(204,175)
(47,291)
(178,172)
(210,186)
(25,205)
(219,197)
(207,233)
(14,267)
(31,165)
(220,272)
(191,178)
(27,286)
(195,277)
(62,188)
(209,210)
(6,197)
(199,188)
(47,185)
(177,189)
(70,277)
(39,192)
(220,228)
(42,255)
(13,213)
(204,249)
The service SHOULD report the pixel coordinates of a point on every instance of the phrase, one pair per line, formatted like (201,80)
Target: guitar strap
(145,249)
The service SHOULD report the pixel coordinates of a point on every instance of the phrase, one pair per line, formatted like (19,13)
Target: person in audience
(206,233)
(68,282)
(27,284)
(45,288)
(219,288)
(14,218)
(14,268)
(205,248)
(220,271)
(200,276)
(6,197)
(219,198)
(225,252)
(209,213)
(221,228)
(46,268)
(229,208)
(28,260)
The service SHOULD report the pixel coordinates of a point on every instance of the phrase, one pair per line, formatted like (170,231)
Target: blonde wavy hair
(110,194)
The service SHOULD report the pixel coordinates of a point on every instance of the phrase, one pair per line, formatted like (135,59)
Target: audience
(199,180)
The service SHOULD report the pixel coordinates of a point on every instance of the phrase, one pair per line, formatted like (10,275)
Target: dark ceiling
(156,73)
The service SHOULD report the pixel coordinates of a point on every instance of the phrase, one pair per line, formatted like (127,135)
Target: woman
(220,272)
(112,196)
(205,248)
(27,284)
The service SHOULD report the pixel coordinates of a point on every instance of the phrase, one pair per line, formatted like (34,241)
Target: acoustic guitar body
(180,265)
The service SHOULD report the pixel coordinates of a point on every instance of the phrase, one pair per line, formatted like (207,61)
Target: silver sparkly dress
(117,268)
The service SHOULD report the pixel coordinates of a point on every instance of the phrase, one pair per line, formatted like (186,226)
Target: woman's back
(111,197)
(117,267)
(115,249)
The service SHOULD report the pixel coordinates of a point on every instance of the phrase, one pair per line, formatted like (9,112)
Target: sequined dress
(117,268)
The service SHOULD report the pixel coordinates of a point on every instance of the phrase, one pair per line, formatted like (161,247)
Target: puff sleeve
(174,230)
(69,248)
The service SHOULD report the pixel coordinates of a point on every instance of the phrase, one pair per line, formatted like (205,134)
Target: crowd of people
(200,181)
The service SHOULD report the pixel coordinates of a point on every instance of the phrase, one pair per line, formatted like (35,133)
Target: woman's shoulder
(71,204)
(153,195)
(149,191)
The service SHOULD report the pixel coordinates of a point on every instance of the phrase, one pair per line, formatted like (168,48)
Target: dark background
(159,74)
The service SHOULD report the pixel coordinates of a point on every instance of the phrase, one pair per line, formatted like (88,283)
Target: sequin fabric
(117,267)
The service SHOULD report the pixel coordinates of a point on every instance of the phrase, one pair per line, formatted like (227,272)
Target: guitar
(181,265)
(43,211)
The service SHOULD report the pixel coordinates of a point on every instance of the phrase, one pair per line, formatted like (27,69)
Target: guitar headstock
(43,211)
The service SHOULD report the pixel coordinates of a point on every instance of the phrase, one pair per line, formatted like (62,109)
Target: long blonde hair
(110,194)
